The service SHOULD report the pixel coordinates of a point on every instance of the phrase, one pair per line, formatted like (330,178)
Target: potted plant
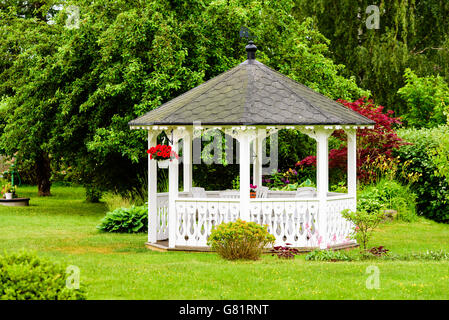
(252,190)
(8,191)
(163,154)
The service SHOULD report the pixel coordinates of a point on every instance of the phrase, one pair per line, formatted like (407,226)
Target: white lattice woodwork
(162,216)
(293,221)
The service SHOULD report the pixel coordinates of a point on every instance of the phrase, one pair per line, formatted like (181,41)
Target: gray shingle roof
(251,94)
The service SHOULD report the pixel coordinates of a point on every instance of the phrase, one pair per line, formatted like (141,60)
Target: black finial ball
(251,50)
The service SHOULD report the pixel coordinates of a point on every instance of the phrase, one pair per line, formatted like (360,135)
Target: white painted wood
(305,192)
(261,192)
(257,166)
(187,160)
(152,190)
(352,162)
(322,181)
(254,160)
(244,154)
(173,188)
(290,220)
(199,192)
(162,216)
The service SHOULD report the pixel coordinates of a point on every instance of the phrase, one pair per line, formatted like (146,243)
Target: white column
(322,181)
(352,162)
(244,154)
(257,166)
(173,173)
(187,160)
(152,190)
(254,161)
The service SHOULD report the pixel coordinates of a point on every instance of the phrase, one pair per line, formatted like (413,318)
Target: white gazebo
(250,102)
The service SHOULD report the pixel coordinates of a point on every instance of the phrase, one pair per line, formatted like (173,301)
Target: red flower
(162,152)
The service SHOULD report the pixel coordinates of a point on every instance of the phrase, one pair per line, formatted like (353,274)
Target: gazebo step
(162,246)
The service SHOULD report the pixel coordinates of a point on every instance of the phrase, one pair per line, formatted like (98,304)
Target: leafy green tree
(27,104)
(427,100)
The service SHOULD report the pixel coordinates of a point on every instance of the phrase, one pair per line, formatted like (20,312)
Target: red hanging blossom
(162,152)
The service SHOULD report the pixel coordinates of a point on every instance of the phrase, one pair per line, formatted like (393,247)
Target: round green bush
(24,276)
(240,240)
(126,220)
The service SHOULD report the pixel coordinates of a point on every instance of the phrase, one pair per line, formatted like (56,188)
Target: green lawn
(117,266)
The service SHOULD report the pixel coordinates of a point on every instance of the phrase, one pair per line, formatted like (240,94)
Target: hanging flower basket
(163,164)
(163,154)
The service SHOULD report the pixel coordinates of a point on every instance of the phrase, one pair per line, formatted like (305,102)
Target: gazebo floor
(162,246)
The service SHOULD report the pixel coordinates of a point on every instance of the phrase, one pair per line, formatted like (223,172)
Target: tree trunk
(43,174)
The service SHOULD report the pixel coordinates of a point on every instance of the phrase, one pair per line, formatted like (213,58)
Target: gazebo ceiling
(251,94)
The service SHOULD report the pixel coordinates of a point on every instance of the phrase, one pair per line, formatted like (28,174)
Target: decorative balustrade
(196,217)
(290,220)
(162,216)
(338,228)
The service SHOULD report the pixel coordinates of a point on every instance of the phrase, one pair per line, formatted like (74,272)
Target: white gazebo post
(173,188)
(322,181)
(244,154)
(152,190)
(352,163)
(187,160)
(257,166)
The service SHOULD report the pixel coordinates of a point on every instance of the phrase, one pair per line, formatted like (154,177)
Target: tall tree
(411,33)
(27,106)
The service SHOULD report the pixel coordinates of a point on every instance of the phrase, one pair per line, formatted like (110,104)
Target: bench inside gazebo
(249,103)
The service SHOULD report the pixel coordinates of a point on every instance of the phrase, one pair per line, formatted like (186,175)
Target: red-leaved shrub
(371,143)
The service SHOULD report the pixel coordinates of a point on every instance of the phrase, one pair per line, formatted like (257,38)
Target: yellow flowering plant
(240,240)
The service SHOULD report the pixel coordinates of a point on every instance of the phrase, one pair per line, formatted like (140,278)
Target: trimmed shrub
(240,240)
(431,189)
(126,220)
(24,276)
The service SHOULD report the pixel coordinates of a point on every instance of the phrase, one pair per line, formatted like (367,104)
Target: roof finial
(251,50)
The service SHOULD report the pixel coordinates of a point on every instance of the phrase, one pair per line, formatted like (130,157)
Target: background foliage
(431,188)
(412,34)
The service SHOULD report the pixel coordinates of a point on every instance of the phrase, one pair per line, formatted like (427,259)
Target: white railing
(196,217)
(291,220)
(339,229)
(162,216)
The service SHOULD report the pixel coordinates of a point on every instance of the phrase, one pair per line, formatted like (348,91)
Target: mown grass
(118,266)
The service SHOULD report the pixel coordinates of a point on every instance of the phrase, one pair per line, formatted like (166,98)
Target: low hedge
(24,276)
